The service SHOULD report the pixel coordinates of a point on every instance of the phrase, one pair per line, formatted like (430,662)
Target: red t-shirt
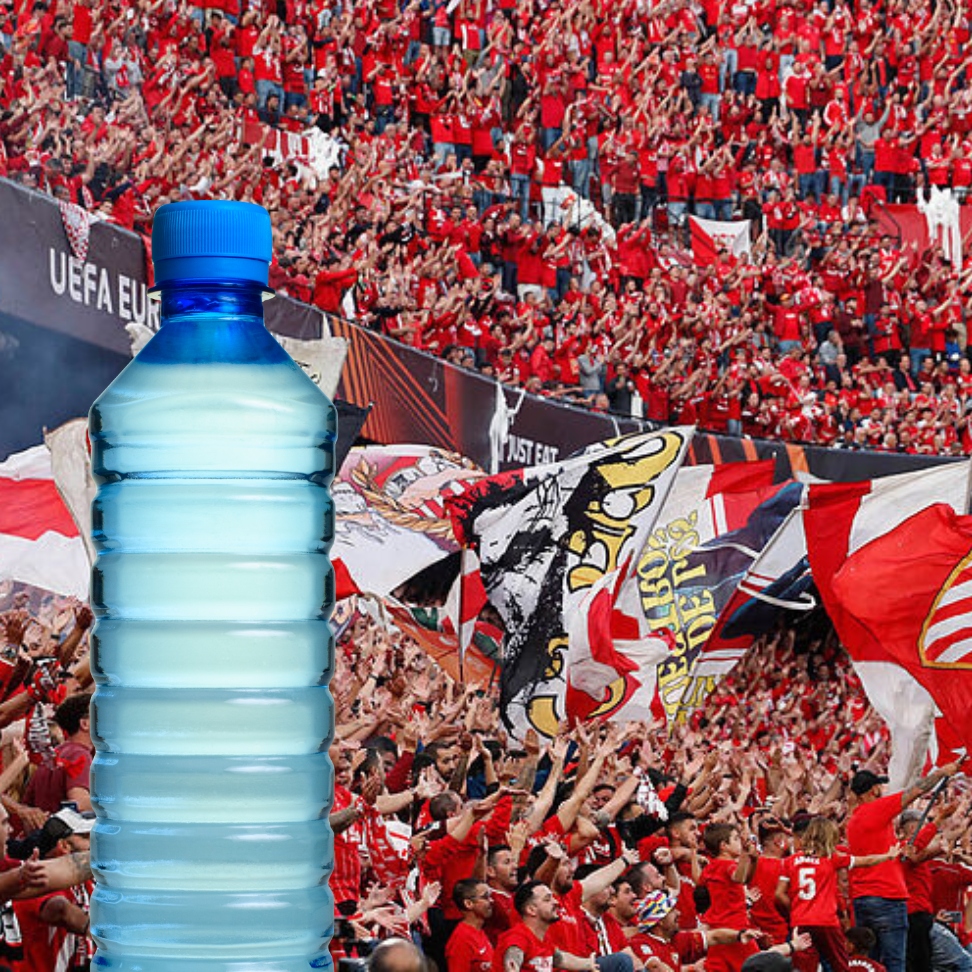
(72,769)
(45,946)
(764,913)
(568,933)
(919,877)
(728,908)
(537,954)
(469,949)
(684,949)
(813,889)
(870,830)
(504,914)
(869,965)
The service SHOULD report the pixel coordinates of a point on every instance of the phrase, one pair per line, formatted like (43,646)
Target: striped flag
(947,636)
(40,544)
(467,597)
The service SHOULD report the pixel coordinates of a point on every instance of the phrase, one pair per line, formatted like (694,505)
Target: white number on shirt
(808,886)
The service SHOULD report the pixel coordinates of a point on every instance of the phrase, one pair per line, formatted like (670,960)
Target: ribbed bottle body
(212,651)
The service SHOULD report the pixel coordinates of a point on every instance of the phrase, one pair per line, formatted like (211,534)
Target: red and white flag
(709,235)
(40,544)
(467,597)
(614,647)
(911,590)
(390,518)
(840,519)
(77,225)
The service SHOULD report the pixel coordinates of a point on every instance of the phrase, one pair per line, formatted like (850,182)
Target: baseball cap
(62,824)
(654,907)
(865,780)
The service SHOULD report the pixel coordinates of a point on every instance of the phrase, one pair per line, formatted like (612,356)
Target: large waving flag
(778,581)
(687,573)
(40,544)
(911,590)
(545,537)
(840,519)
(612,633)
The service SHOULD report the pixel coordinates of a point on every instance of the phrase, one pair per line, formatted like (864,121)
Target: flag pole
(459,617)
(935,793)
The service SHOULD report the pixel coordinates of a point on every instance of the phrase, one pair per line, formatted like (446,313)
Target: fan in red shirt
(453,857)
(469,948)
(775,841)
(501,877)
(921,847)
(55,926)
(730,868)
(879,894)
(860,941)
(808,887)
(526,945)
(658,936)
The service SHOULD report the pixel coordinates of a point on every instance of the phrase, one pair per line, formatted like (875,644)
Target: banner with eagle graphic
(389,513)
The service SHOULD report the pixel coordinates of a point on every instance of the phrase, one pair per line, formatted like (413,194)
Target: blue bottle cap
(211,239)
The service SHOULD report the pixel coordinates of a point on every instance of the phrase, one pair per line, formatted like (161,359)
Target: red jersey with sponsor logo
(537,954)
(469,950)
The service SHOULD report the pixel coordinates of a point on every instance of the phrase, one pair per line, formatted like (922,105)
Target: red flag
(842,518)
(466,599)
(40,544)
(911,589)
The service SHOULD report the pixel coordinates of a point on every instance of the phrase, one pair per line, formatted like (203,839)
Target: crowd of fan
(512,180)
(620,846)
(611,847)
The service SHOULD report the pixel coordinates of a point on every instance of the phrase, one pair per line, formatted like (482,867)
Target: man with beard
(584,895)
(596,934)
(526,946)
(683,840)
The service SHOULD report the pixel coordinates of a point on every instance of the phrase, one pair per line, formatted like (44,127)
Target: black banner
(62,320)
(419,398)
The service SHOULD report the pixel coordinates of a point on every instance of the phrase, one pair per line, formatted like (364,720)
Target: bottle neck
(221,298)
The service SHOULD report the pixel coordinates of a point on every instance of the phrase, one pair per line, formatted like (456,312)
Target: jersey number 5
(808,886)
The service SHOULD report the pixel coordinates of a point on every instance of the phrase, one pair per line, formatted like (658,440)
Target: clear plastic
(212,651)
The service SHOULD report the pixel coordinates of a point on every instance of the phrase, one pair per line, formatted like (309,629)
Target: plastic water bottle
(212,652)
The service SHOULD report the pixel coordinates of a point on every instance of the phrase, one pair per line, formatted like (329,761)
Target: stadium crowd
(508,184)
(724,840)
